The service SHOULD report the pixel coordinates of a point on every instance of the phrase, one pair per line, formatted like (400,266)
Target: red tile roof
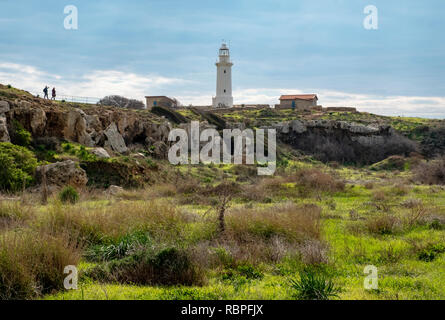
(299,97)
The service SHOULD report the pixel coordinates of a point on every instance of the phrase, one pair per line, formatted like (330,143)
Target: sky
(169,47)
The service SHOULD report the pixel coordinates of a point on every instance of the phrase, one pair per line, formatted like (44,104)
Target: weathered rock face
(343,141)
(4,134)
(116,129)
(62,174)
(114,139)
(4,107)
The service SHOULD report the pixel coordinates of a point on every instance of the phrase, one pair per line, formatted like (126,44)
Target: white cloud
(99,83)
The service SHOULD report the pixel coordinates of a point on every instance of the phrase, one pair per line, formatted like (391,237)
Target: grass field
(164,241)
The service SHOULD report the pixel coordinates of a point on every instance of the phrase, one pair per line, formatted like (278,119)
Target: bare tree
(121,102)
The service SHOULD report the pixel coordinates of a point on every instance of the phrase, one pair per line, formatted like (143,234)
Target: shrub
(314,252)
(69,194)
(17,168)
(152,266)
(432,172)
(20,135)
(430,252)
(32,264)
(312,286)
(314,179)
(382,224)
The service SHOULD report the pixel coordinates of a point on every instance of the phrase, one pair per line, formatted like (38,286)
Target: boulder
(114,190)
(100,153)
(114,139)
(62,174)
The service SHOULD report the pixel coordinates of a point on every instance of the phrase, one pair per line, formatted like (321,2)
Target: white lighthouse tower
(223,97)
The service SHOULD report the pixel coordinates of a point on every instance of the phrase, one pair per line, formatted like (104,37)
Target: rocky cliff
(343,141)
(116,130)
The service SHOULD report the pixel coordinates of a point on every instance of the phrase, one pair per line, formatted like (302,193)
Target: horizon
(169,48)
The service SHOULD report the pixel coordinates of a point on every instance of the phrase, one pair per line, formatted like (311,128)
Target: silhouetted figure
(45,91)
(54,94)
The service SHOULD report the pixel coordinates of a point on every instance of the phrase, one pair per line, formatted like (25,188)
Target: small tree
(226,191)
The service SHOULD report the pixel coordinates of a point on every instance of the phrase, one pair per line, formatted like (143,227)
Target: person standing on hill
(45,91)
(54,94)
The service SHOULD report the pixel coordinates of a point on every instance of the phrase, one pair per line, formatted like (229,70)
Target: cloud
(99,83)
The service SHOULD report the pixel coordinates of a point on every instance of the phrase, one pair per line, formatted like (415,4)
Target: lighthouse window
(224,90)
(224,71)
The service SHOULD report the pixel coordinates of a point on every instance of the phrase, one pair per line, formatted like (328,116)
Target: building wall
(160,101)
(299,104)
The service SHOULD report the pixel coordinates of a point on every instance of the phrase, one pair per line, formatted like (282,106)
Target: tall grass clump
(103,224)
(69,195)
(32,263)
(289,221)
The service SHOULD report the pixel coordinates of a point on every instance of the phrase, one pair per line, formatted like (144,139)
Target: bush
(32,264)
(383,224)
(151,266)
(69,194)
(20,135)
(18,165)
(312,286)
(432,172)
(314,179)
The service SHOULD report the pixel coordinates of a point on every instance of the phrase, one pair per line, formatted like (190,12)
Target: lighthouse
(223,98)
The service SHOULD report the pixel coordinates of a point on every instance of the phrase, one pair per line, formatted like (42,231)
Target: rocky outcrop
(4,133)
(61,174)
(344,141)
(101,127)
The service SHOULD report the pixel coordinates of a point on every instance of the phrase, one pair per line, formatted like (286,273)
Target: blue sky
(164,47)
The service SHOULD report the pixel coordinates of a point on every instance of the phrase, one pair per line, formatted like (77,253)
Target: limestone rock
(38,121)
(115,139)
(4,134)
(63,174)
(4,107)
(100,153)
(76,126)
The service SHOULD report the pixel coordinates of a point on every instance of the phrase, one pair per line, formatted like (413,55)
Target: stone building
(160,101)
(300,102)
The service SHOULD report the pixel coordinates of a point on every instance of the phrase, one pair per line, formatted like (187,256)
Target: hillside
(90,186)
